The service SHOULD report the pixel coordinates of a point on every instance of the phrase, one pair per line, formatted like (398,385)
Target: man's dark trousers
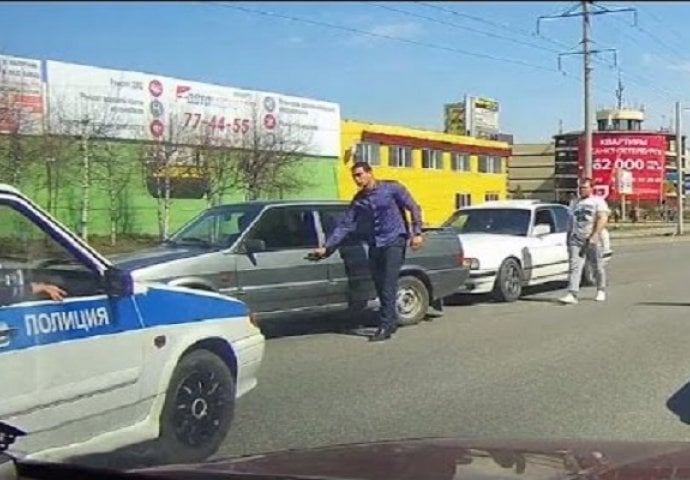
(385,263)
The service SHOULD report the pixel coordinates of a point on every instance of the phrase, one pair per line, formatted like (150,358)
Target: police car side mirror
(118,283)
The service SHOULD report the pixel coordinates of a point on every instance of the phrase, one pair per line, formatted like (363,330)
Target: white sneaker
(569,299)
(601,296)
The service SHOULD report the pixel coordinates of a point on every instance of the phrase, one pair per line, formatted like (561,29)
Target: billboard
(21,95)
(101,102)
(140,106)
(484,117)
(474,117)
(232,116)
(455,118)
(643,155)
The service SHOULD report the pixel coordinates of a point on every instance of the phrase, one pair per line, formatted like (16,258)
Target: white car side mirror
(541,230)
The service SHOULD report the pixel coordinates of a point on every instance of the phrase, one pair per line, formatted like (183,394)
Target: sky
(388,62)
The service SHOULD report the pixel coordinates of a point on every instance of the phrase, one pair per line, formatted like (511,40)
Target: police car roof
(5,188)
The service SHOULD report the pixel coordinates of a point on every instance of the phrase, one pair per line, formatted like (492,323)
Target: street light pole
(679,168)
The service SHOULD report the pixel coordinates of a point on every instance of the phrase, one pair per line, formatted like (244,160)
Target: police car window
(283,228)
(28,254)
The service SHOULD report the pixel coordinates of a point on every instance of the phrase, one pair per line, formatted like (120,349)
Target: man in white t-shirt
(589,215)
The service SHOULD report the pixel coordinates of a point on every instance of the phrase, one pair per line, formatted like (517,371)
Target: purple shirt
(379,215)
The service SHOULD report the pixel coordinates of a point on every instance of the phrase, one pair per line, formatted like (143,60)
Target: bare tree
(258,162)
(84,118)
(113,171)
(166,162)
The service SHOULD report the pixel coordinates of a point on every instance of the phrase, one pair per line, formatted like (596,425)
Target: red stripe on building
(412,142)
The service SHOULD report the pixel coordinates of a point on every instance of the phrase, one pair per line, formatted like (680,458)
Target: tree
(165,163)
(113,171)
(261,163)
(84,120)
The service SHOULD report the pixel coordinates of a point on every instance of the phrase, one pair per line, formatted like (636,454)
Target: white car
(116,362)
(511,244)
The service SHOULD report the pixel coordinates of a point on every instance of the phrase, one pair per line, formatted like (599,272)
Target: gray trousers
(594,253)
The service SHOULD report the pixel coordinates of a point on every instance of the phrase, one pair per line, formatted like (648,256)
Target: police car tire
(417,292)
(169,447)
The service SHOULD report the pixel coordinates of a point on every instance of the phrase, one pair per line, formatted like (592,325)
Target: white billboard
(101,102)
(482,116)
(140,106)
(21,95)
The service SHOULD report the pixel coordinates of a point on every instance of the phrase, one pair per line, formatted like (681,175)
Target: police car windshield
(217,227)
(500,221)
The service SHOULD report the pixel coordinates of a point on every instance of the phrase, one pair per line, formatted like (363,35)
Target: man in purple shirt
(377,212)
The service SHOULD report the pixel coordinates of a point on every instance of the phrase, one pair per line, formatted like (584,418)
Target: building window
(400,157)
(490,196)
(490,164)
(462,200)
(432,159)
(368,152)
(460,162)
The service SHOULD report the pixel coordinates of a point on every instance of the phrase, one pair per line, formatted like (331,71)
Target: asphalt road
(531,369)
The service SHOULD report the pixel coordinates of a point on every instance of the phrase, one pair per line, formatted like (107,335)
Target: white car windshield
(501,221)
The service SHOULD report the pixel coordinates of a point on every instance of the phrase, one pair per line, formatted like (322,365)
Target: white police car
(115,362)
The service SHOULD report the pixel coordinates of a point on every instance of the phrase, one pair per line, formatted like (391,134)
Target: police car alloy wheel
(198,409)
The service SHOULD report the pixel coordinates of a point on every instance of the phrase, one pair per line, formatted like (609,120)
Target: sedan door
(545,250)
(349,275)
(280,278)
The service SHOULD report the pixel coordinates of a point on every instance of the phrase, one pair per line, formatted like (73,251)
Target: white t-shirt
(584,212)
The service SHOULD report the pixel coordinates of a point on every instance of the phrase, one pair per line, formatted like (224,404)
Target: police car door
(72,365)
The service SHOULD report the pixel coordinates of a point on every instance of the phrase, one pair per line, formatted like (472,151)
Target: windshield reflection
(500,221)
(218,227)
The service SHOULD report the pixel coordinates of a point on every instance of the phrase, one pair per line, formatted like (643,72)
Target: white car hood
(491,249)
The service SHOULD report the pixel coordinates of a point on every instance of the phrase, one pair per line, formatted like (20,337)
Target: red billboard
(642,154)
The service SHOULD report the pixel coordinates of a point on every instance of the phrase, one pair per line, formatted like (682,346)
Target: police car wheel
(412,300)
(198,409)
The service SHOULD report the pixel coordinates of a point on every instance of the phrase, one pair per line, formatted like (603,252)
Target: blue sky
(374,78)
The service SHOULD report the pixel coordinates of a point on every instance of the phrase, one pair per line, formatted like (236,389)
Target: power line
(461,27)
(491,23)
(380,35)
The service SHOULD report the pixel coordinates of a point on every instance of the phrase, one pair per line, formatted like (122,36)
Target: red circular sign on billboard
(155,88)
(156,127)
(269,121)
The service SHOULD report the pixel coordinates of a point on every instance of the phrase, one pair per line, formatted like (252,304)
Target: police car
(115,362)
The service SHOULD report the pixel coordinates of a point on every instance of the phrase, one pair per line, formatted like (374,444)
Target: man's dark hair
(363,165)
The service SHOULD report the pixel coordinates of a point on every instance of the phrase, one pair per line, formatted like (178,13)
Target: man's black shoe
(382,334)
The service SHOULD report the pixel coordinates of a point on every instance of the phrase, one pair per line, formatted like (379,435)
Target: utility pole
(586,13)
(587,63)
(679,168)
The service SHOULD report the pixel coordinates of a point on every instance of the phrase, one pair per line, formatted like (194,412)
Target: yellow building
(442,171)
